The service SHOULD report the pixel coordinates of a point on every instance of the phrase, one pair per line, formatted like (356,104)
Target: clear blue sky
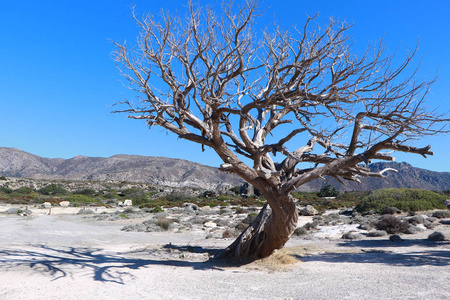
(57,78)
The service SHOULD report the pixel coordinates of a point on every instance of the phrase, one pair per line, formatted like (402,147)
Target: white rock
(205,208)
(127,202)
(210,224)
(45,205)
(64,203)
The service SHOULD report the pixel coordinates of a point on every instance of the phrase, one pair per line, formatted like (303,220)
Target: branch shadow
(430,253)
(60,262)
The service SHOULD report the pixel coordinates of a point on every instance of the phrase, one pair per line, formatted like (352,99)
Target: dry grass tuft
(281,260)
(164,223)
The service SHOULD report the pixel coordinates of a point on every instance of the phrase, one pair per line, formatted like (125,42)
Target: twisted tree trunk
(268,232)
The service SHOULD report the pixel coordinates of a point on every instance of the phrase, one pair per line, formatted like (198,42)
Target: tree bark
(270,230)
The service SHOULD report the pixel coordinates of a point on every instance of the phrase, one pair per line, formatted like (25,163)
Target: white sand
(65,256)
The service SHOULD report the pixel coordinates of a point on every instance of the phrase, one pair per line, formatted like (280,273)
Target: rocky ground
(113,253)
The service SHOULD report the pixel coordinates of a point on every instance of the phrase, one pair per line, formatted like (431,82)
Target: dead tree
(219,82)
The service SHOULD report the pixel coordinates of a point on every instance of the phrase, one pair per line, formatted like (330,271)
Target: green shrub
(241,210)
(6,190)
(328,191)
(24,190)
(236,190)
(3,178)
(123,216)
(177,197)
(134,193)
(87,192)
(223,197)
(81,199)
(128,210)
(403,199)
(52,189)
(157,209)
(140,201)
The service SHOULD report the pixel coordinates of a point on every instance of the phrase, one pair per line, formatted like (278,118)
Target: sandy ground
(68,256)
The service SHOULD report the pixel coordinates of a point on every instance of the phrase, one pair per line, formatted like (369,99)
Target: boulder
(352,235)
(45,205)
(13,211)
(441,214)
(417,219)
(64,203)
(377,233)
(309,210)
(127,202)
(205,208)
(210,224)
(365,226)
(190,206)
(413,229)
(429,225)
(395,238)
(138,227)
(85,211)
(447,203)
(436,236)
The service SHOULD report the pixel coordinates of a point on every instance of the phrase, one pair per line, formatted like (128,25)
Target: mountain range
(182,173)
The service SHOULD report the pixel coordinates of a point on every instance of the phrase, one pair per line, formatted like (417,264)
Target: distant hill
(132,168)
(406,177)
(183,173)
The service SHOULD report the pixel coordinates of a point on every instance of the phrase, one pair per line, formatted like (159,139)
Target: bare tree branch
(220,82)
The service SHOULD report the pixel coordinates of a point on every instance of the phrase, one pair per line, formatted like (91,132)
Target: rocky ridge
(183,173)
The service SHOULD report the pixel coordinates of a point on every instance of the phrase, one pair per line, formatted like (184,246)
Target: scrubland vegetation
(154,198)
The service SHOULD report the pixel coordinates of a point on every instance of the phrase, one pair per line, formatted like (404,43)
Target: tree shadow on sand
(426,253)
(60,262)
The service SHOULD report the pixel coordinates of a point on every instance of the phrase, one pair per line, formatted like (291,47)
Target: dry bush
(300,231)
(391,224)
(228,234)
(164,223)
